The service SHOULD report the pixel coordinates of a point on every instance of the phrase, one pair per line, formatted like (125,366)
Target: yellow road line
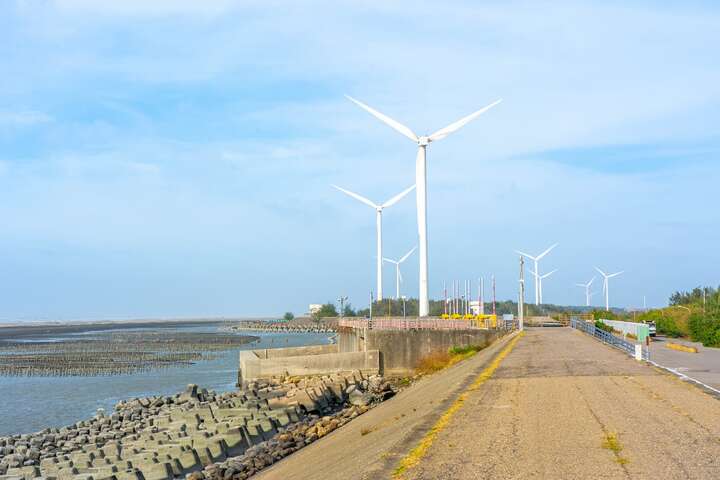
(417,453)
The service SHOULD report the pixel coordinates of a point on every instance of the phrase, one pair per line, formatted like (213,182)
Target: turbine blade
(400,276)
(591,281)
(398,197)
(533,272)
(385,119)
(388,260)
(405,257)
(453,127)
(357,197)
(615,274)
(601,272)
(546,252)
(525,254)
(581,285)
(549,273)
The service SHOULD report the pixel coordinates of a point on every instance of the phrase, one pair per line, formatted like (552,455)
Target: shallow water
(30,404)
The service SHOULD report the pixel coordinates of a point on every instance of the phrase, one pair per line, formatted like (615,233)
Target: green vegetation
(665,322)
(705,328)
(612,443)
(604,315)
(603,326)
(327,310)
(288,316)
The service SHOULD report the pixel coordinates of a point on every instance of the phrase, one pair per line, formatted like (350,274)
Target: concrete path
(703,366)
(560,405)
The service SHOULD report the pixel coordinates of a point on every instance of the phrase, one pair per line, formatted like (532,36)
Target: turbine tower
(539,279)
(586,286)
(378,221)
(536,259)
(398,275)
(606,286)
(421,182)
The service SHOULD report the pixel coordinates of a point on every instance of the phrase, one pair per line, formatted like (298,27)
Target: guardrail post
(638,352)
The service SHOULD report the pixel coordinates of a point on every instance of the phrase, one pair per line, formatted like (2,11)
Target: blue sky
(173,158)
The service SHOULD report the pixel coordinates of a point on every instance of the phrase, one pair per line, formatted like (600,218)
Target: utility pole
(342,301)
(371,305)
(445,296)
(482,296)
(521,296)
(493,286)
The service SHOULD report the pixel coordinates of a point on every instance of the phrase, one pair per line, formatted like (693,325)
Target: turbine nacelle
(424,141)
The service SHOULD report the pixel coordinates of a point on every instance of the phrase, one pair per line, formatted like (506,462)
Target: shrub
(667,326)
(603,326)
(600,314)
(705,329)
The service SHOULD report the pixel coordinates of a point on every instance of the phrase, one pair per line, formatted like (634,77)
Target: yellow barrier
(681,348)
(481,319)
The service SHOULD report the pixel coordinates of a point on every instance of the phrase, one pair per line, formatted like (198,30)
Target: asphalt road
(703,366)
(560,405)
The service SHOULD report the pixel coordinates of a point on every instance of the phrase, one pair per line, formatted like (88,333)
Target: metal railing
(608,338)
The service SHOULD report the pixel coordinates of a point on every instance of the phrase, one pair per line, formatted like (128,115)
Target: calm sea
(30,404)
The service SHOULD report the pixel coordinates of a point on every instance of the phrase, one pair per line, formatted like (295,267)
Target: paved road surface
(545,413)
(703,366)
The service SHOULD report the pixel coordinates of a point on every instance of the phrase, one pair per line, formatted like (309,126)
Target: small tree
(288,316)
(327,310)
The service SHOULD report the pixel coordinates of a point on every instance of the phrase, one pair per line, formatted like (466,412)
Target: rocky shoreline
(197,433)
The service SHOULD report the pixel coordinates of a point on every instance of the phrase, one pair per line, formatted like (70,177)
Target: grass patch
(440,360)
(611,442)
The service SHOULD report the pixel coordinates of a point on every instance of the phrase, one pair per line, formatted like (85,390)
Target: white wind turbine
(421,182)
(536,259)
(586,286)
(539,279)
(398,275)
(378,221)
(606,285)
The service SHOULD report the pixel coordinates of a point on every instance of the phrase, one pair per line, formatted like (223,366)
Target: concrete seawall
(388,352)
(401,350)
(305,361)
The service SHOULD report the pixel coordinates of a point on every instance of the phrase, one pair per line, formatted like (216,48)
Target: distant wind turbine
(378,221)
(398,275)
(536,259)
(586,286)
(606,285)
(421,182)
(539,279)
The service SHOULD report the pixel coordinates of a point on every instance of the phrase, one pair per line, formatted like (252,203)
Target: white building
(314,308)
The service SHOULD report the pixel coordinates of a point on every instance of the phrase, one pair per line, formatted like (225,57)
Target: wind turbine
(378,221)
(421,182)
(398,275)
(606,285)
(536,259)
(586,286)
(539,279)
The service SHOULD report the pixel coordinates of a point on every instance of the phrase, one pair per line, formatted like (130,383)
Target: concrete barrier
(681,348)
(303,361)
(640,330)
(401,351)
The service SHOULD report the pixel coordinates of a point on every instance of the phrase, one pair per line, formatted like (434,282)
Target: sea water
(30,404)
